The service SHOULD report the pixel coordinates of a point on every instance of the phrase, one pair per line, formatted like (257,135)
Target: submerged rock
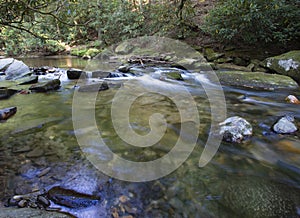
(285,125)
(47,86)
(6,93)
(235,129)
(76,74)
(71,198)
(30,213)
(257,198)
(287,64)
(7,113)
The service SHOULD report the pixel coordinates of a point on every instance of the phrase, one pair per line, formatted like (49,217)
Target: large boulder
(257,80)
(286,64)
(13,68)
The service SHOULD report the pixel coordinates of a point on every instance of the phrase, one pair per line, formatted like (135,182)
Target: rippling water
(263,173)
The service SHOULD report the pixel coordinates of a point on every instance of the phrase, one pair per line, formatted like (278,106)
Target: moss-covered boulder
(258,80)
(286,64)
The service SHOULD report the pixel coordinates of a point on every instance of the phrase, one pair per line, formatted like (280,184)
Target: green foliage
(252,21)
(28,25)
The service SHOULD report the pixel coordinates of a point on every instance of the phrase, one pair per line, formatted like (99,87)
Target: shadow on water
(259,178)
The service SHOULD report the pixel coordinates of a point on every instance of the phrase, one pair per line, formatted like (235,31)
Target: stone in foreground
(7,113)
(235,129)
(285,125)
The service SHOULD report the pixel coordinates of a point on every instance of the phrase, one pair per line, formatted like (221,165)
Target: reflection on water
(261,178)
(56,61)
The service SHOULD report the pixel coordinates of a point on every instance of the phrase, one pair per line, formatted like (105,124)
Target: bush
(253,21)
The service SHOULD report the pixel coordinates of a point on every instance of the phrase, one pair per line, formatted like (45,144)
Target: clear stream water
(260,178)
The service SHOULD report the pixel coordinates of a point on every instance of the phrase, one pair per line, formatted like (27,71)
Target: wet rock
(256,198)
(30,213)
(292,99)
(16,69)
(100,74)
(6,93)
(258,80)
(116,75)
(285,125)
(76,74)
(47,86)
(43,70)
(124,69)
(70,198)
(7,113)
(287,64)
(28,80)
(94,87)
(174,75)
(235,129)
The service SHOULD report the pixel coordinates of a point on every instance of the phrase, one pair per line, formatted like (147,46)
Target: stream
(39,151)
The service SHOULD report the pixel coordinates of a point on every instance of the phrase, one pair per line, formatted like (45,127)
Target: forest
(51,25)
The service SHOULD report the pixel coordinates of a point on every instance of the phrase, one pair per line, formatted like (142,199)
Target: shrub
(252,21)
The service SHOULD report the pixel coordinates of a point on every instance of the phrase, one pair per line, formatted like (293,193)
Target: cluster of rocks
(236,129)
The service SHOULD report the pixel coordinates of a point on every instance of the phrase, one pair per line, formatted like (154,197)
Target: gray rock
(285,125)
(286,64)
(76,74)
(29,213)
(4,63)
(47,86)
(235,129)
(16,70)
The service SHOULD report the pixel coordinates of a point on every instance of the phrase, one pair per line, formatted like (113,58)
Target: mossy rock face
(287,64)
(211,55)
(258,80)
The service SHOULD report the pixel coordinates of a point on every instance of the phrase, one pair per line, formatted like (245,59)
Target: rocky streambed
(46,173)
